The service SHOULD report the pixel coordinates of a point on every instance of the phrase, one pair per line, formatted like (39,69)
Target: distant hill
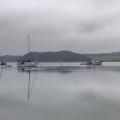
(9,58)
(106,57)
(60,56)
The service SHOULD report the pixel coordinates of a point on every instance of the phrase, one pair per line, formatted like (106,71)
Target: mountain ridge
(62,56)
(59,56)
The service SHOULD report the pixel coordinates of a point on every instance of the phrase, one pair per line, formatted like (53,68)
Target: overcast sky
(78,25)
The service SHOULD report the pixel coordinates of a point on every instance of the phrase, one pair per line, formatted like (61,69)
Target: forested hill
(60,56)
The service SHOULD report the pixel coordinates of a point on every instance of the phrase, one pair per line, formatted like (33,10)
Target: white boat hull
(26,65)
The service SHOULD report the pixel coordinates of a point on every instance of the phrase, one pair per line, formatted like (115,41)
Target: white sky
(82,26)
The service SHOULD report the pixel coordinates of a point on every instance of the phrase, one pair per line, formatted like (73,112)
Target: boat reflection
(69,69)
(1,71)
(31,82)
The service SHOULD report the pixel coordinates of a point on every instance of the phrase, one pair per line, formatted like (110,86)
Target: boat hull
(26,65)
(92,63)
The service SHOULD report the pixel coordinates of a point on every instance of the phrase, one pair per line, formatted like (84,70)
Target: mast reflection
(30,83)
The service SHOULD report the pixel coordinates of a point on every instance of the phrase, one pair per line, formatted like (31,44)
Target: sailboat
(27,63)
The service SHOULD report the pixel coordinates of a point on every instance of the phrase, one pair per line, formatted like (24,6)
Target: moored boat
(26,63)
(92,62)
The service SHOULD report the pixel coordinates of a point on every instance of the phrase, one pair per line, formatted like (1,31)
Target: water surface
(63,92)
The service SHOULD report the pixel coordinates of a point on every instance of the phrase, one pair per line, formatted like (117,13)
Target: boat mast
(29,47)
(28,43)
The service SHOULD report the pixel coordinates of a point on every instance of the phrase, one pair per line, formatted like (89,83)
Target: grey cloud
(74,25)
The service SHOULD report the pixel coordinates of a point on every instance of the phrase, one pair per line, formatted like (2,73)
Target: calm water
(60,93)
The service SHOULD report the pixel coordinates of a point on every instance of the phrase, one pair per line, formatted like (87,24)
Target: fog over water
(79,25)
(60,93)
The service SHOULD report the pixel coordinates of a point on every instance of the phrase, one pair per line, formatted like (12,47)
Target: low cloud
(77,25)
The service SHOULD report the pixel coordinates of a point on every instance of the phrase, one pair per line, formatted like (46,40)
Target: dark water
(60,93)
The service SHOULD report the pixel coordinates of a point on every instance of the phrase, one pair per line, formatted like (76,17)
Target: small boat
(92,62)
(97,63)
(26,63)
(3,64)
